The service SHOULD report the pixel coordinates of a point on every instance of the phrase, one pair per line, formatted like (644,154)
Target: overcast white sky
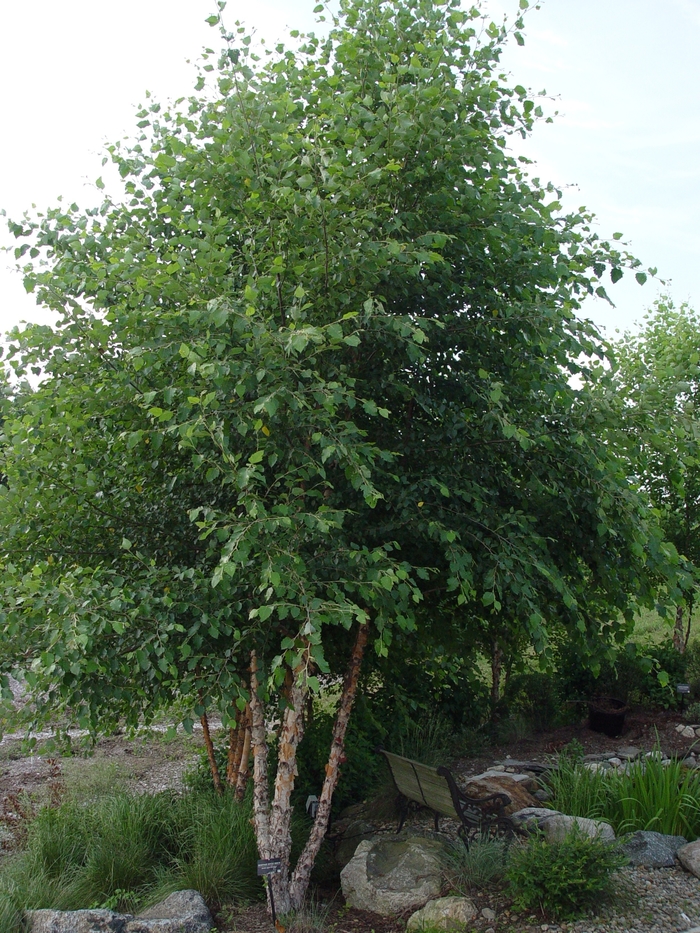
(626,143)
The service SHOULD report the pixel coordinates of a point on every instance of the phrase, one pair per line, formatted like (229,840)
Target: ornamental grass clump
(579,791)
(659,796)
(565,880)
(128,851)
(648,794)
(481,865)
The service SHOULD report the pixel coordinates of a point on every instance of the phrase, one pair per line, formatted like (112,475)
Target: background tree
(310,386)
(658,388)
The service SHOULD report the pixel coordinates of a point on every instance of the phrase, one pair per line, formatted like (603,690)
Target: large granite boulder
(181,912)
(519,787)
(689,857)
(652,850)
(75,921)
(355,832)
(444,913)
(390,874)
(556,826)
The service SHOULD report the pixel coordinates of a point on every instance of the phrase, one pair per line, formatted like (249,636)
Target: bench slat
(422,783)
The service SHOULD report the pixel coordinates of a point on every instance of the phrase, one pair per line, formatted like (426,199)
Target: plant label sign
(683,688)
(269,866)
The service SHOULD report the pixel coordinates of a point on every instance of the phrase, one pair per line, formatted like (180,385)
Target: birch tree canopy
(312,384)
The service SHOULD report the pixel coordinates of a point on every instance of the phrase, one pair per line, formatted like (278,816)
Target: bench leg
(403,812)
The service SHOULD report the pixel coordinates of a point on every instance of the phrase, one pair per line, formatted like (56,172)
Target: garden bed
(653,900)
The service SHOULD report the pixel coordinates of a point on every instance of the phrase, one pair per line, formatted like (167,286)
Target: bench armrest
(494,804)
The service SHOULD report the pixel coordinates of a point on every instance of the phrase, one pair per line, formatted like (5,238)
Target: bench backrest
(421,783)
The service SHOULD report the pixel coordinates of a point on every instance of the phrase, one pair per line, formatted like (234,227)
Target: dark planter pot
(607,715)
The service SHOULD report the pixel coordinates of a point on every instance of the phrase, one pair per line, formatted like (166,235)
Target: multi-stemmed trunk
(273,818)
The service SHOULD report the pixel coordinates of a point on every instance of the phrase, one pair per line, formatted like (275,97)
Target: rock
(542,795)
(530,817)
(181,912)
(521,766)
(390,874)
(516,786)
(689,857)
(652,850)
(75,921)
(556,826)
(595,766)
(352,835)
(488,914)
(444,913)
(688,732)
(615,762)
(500,773)
(628,752)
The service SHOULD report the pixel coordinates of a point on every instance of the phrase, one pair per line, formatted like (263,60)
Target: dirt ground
(150,763)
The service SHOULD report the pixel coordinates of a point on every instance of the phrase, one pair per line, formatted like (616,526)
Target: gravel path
(655,900)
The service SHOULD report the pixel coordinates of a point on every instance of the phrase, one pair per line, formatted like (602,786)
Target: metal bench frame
(477,816)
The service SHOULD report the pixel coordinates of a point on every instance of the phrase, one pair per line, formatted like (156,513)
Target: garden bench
(436,790)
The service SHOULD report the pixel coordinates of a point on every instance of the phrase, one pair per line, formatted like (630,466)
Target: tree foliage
(658,388)
(313,370)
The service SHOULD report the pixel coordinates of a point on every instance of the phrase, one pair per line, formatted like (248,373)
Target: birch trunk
(496,671)
(209,745)
(679,631)
(273,822)
(267,844)
(291,734)
(243,773)
(302,873)
(261,795)
(233,757)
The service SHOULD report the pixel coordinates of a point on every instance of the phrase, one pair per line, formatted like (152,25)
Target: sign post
(683,690)
(270,866)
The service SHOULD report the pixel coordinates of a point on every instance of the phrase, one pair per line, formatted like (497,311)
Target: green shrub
(197,777)
(360,773)
(631,675)
(535,698)
(562,879)
(692,669)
